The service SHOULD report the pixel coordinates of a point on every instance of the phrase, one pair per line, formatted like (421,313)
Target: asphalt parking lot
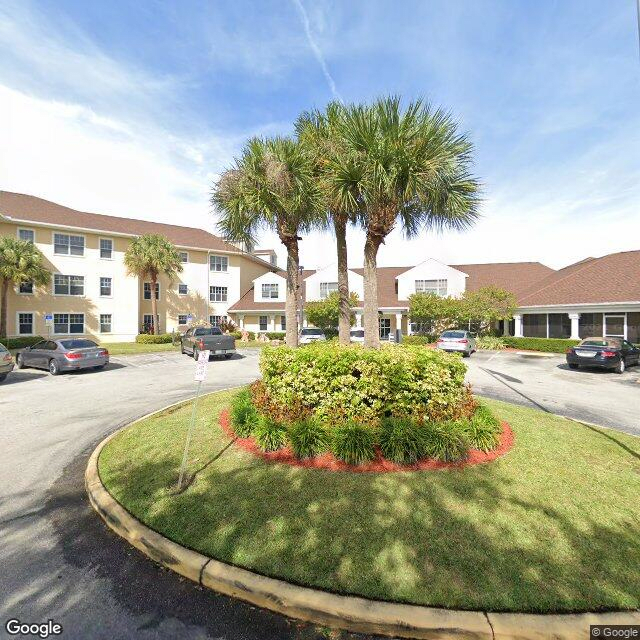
(60,562)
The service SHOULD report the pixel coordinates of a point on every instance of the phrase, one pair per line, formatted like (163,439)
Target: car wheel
(621,367)
(3,376)
(466,354)
(228,356)
(54,368)
(573,366)
(19,361)
(100,366)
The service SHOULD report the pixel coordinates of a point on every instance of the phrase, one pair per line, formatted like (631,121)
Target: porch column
(241,322)
(273,323)
(359,319)
(505,327)
(399,321)
(575,326)
(305,323)
(518,327)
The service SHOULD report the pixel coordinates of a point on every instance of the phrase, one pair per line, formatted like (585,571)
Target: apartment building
(92,295)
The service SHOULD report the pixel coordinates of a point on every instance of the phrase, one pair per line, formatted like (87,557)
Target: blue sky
(134,108)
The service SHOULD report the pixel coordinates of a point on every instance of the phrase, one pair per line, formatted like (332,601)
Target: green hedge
(146,338)
(418,339)
(342,383)
(276,335)
(548,345)
(20,343)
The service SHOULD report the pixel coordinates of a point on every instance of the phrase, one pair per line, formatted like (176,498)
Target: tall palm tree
(148,257)
(338,177)
(270,186)
(413,167)
(20,261)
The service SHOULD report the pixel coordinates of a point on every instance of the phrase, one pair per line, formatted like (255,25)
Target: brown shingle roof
(512,276)
(611,278)
(36,210)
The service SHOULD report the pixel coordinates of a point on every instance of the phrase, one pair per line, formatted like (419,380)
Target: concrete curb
(328,609)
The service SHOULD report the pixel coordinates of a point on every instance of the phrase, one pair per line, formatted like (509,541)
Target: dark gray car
(66,354)
(210,339)
(6,362)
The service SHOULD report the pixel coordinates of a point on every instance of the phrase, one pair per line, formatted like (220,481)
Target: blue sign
(189,318)
(48,317)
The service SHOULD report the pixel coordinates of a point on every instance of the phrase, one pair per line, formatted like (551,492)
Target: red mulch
(329,462)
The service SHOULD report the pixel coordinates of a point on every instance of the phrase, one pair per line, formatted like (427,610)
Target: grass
(125,348)
(552,526)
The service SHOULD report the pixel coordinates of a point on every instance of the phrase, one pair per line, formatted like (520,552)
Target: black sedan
(605,353)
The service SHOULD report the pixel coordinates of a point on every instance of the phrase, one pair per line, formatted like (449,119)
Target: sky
(135,108)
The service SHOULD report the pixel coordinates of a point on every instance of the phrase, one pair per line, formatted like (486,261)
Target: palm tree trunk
(4,295)
(154,307)
(291,303)
(344,311)
(371,325)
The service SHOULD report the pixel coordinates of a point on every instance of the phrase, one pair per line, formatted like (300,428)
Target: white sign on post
(201,365)
(48,319)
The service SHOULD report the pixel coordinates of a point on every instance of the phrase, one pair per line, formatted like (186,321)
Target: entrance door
(614,326)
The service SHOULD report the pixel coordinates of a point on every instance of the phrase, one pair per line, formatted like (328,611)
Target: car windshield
(78,344)
(453,334)
(357,333)
(2,348)
(601,342)
(312,332)
(211,331)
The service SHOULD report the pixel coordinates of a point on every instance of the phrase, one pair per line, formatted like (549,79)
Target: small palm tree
(20,261)
(411,165)
(148,257)
(270,186)
(338,177)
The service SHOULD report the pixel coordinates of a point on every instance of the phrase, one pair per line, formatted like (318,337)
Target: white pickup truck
(199,339)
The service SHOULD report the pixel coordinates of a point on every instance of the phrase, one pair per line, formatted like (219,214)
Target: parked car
(458,340)
(199,339)
(67,354)
(606,353)
(311,334)
(6,363)
(356,335)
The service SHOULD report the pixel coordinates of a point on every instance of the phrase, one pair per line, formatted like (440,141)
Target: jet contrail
(316,50)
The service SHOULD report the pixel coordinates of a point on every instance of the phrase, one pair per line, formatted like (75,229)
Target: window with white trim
(182,319)
(263,323)
(147,321)
(25,287)
(218,263)
(216,321)
(184,256)
(283,323)
(25,324)
(217,294)
(106,287)
(68,323)
(147,291)
(106,248)
(270,290)
(183,289)
(105,322)
(68,245)
(68,285)
(327,288)
(27,235)
(439,287)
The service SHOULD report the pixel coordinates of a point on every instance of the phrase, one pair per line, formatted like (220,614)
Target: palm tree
(270,186)
(338,177)
(148,257)
(20,261)
(413,166)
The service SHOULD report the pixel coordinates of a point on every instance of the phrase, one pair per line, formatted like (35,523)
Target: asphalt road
(57,559)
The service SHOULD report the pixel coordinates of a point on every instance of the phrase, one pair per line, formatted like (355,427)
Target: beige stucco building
(90,292)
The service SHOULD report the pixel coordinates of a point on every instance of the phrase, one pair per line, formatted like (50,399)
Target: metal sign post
(201,374)
(48,320)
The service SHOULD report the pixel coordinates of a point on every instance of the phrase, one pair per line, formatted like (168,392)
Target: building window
(26,287)
(384,325)
(559,325)
(106,248)
(439,287)
(218,263)
(67,245)
(534,325)
(283,323)
(182,319)
(216,321)
(147,322)
(67,323)
(633,327)
(27,235)
(105,323)
(590,325)
(105,287)
(183,289)
(269,291)
(147,291)
(263,323)
(68,285)
(25,324)
(326,288)
(217,294)
(184,257)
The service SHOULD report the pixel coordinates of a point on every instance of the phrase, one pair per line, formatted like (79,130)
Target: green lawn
(124,348)
(552,526)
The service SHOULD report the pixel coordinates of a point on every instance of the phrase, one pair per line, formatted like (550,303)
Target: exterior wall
(330,274)
(431,270)
(270,278)
(251,322)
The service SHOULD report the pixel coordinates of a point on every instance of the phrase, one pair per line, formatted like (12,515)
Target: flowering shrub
(348,383)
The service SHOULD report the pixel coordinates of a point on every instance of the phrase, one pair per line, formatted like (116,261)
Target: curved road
(59,562)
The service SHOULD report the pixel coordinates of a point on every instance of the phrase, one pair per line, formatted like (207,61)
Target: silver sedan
(460,341)
(67,354)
